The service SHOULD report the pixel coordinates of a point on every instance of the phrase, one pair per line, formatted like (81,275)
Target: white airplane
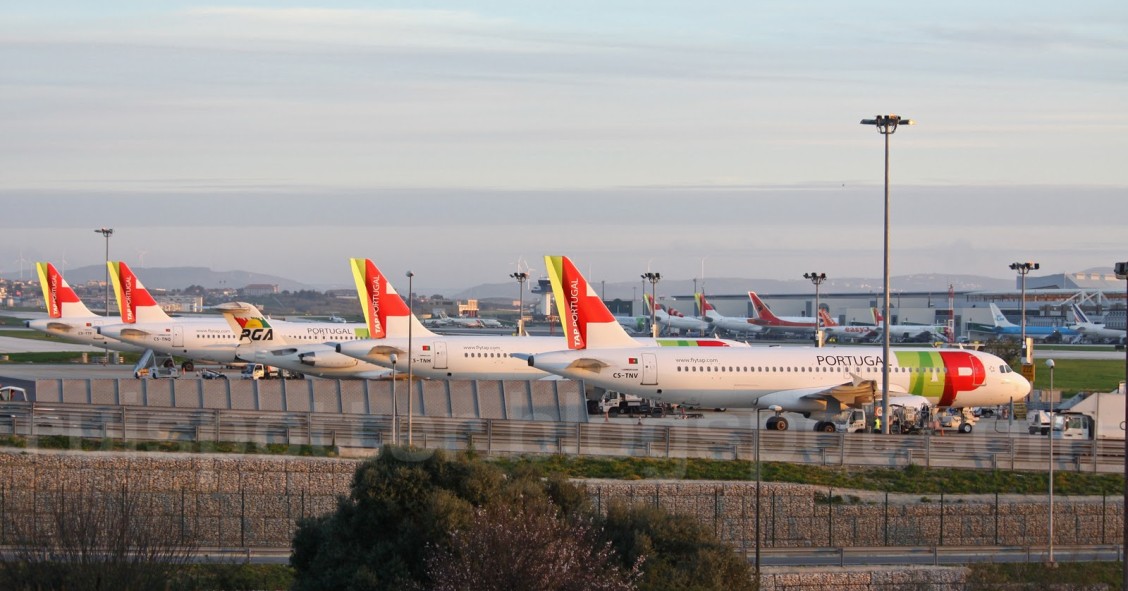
(201,338)
(1085,327)
(921,333)
(763,316)
(733,324)
(852,332)
(453,357)
(259,343)
(808,380)
(673,319)
(68,318)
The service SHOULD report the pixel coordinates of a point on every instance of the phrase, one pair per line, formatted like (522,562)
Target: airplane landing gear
(776,423)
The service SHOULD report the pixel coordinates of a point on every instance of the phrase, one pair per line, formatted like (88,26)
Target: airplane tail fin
(878,319)
(135,303)
(761,309)
(587,321)
(998,318)
(62,301)
(249,325)
(826,319)
(704,307)
(385,312)
(1079,315)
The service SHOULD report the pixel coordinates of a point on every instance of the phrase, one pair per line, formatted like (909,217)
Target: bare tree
(507,549)
(90,539)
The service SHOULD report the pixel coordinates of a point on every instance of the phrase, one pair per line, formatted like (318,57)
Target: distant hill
(177,277)
(181,277)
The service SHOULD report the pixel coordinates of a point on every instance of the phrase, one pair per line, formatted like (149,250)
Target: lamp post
(395,403)
(653,278)
(521,277)
(410,321)
(1050,544)
(1023,270)
(1122,273)
(817,279)
(107,232)
(886,126)
(773,408)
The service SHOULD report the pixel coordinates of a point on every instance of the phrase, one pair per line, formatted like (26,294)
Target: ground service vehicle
(1098,416)
(619,403)
(258,371)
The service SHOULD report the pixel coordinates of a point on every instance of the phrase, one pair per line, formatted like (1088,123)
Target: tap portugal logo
(255,329)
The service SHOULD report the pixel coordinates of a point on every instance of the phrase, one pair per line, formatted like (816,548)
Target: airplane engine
(327,360)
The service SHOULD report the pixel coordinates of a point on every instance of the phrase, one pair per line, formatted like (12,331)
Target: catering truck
(1099,415)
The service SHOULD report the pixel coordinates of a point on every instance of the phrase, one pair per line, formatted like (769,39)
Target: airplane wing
(848,394)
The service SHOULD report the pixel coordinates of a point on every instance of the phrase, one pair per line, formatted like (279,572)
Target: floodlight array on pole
(886,125)
(653,278)
(817,279)
(1023,269)
(521,277)
(107,232)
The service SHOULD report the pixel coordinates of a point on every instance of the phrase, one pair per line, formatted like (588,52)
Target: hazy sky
(456,138)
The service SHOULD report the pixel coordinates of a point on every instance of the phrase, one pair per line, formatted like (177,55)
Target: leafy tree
(404,504)
(680,553)
(416,519)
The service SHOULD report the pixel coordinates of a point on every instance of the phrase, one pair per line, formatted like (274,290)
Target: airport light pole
(1122,273)
(886,125)
(395,403)
(817,279)
(1050,542)
(107,232)
(773,408)
(653,278)
(521,277)
(410,321)
(1023,270)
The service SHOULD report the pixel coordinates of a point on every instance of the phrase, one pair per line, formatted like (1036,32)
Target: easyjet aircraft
(68,318)
(207,338)
(459,357)
(808,380)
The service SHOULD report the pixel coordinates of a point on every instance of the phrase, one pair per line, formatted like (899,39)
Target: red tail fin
(762,310)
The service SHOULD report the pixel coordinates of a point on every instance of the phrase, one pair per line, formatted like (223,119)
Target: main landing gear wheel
(965,428)
(825,427)
(777,424)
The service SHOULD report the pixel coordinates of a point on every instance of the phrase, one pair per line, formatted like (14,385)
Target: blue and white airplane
(1008,329)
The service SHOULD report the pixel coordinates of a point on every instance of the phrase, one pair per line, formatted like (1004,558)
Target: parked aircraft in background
(849,332)
(258,342)
(458,357)
(203,338)
(765,318)
(916,333)
(812,381)
(68,318)
(1083,326)
(674,320)
(1006,328)
(718,321)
